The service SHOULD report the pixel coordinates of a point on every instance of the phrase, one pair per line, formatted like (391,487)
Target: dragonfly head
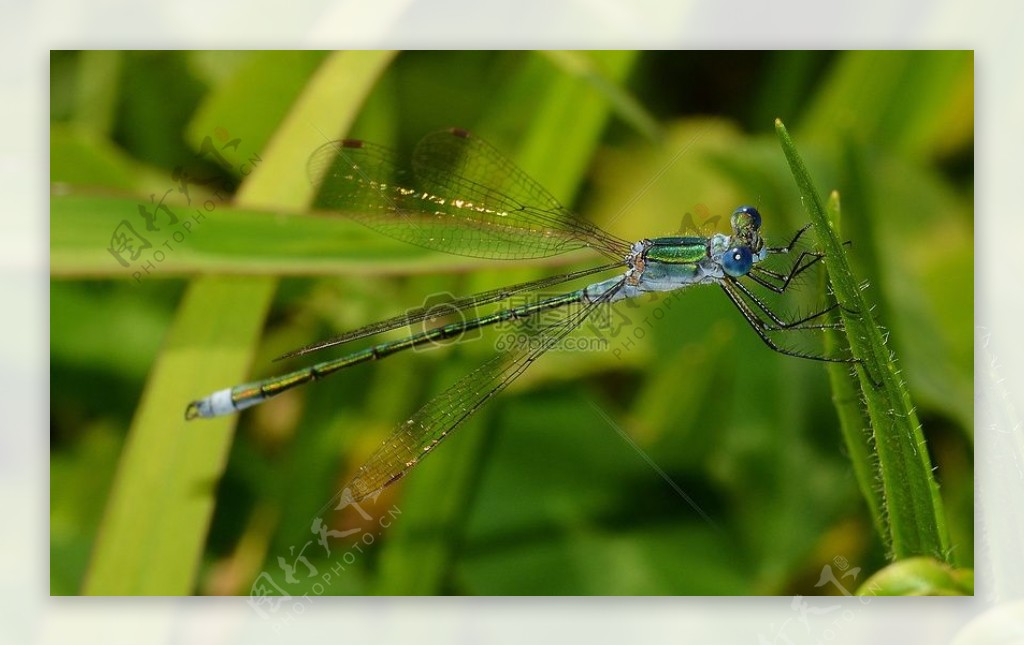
(746,246)
(746,227)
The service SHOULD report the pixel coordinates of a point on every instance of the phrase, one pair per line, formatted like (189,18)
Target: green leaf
(79,156)
(567,506)
(910,494)
(229,239)
(584,66)
(919,576)
(917,103)
(154,526)
(169,469)
(96,91)
(281,78)
(853,420)
(914,239)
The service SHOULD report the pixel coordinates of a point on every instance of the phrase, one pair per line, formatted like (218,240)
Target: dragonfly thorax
(669,263)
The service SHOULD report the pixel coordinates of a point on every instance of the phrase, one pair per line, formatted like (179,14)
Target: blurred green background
(537,494)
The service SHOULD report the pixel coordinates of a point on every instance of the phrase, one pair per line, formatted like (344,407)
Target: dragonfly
(459,195)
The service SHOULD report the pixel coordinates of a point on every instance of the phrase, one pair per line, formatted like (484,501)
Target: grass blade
(625,105)
(232,240)
(853,420)
(153,529)
(919,576)
(910,494)
(210,345)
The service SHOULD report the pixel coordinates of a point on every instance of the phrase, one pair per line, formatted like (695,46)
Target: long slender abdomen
(231,400)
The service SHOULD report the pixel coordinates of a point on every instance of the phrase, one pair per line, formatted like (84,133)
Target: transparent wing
(459,195)
(460,164)
(419,435)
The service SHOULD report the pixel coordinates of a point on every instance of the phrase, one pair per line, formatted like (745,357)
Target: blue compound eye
(737,261)
(746,218)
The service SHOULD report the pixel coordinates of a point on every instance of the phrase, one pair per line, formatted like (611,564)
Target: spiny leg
(796,238)
(798,268)
(756,274)
(792,243)
(799,324)
(762,328)
(759,274)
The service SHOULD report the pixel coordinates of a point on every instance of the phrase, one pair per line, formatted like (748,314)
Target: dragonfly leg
(798,268)
(762,328)
(792,243)
(760,276)
(780,324)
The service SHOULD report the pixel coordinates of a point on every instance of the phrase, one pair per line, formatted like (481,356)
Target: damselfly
(461,196)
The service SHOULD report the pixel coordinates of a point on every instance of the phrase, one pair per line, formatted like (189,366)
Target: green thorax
(677,250)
